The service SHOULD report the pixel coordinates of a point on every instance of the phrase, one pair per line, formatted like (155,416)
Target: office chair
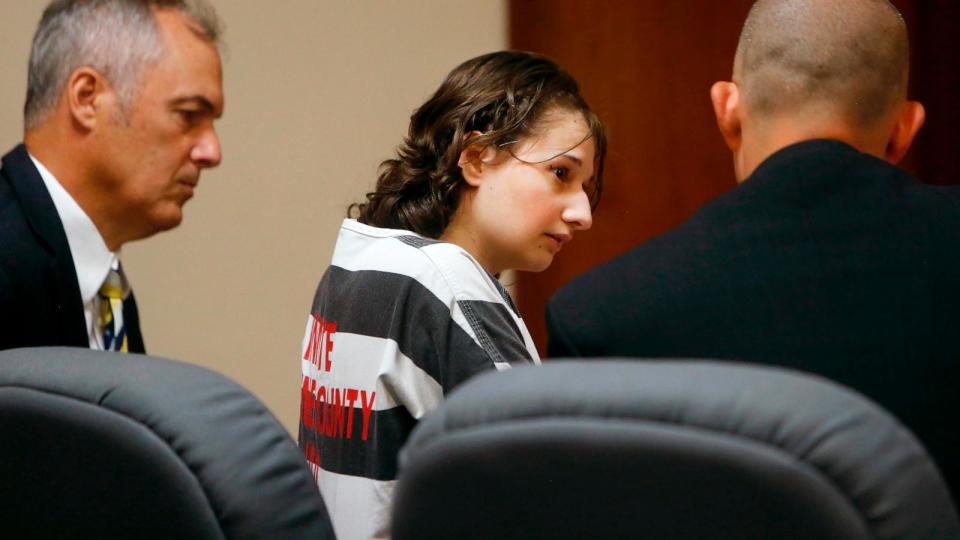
(672,450)
(106,445)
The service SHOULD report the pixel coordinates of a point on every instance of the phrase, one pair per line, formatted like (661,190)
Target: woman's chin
(536,265)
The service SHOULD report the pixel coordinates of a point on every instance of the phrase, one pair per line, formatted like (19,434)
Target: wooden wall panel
(935,40)
(646,67)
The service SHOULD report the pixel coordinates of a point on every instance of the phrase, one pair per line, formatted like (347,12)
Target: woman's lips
(558,239)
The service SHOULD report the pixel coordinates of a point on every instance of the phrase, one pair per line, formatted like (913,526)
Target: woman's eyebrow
(572,158)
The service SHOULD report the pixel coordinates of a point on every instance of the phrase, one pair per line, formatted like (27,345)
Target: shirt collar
(91,257)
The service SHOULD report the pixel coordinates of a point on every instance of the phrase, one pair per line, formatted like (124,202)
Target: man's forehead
(176,26)
(190,68)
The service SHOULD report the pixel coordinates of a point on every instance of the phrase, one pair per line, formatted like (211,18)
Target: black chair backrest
(108,445)
(672,450)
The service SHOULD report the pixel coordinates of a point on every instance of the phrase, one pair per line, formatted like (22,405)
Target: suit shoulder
(638,271)
(946,196)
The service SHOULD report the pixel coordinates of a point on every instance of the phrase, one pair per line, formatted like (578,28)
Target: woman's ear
(473,160)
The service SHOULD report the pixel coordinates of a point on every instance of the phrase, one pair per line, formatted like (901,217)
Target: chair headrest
(247,467)
(804,422)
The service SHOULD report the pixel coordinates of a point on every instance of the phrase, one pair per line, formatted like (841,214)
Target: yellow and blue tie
(113,292)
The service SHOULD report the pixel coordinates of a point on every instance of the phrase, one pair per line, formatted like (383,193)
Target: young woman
(500,168)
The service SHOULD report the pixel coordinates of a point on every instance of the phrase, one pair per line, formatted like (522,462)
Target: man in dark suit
(118,121)
(826,258)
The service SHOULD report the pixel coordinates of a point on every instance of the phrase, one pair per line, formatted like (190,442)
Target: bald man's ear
(908,123)
(725,97)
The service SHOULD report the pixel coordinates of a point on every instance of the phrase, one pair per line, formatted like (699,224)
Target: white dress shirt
(91,257)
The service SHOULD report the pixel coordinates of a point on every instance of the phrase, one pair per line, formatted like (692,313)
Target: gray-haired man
(121,100)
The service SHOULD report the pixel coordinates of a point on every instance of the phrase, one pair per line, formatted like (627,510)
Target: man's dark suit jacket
(40,300)
(825,260)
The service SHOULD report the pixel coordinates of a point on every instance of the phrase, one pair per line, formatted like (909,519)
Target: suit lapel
(131,324)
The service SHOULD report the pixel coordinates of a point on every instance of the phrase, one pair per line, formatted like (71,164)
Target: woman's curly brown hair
(502,95)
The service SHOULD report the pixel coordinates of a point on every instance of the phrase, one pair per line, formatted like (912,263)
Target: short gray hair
(118,38)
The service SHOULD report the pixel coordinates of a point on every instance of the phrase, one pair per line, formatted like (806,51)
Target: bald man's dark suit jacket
(825,260)
(40,300)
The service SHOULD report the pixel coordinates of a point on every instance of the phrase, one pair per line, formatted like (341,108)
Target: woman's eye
(561,172)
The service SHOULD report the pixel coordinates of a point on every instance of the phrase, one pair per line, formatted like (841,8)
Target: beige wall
(318,92)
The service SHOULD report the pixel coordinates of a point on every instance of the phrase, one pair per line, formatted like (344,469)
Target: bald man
(826,257)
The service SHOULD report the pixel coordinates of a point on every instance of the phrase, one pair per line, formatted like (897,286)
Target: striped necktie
(113,292)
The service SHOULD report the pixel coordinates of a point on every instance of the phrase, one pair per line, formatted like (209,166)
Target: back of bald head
(841,59)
